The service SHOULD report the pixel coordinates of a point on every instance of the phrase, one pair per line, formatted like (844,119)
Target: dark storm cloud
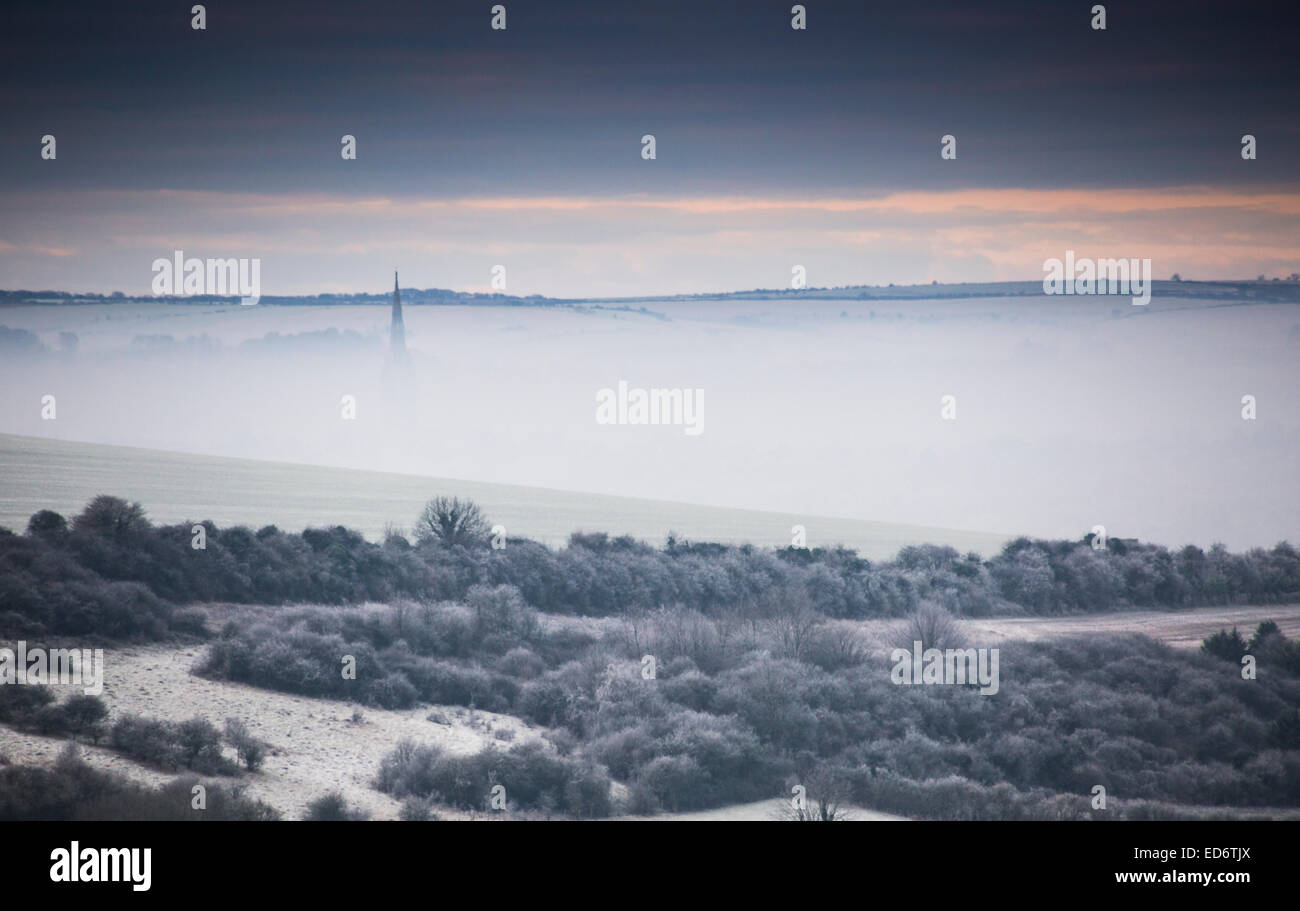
(443,105)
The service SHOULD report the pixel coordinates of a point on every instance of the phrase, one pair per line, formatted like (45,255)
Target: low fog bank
(1069,413)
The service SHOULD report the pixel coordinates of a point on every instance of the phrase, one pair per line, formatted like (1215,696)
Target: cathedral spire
(397,333)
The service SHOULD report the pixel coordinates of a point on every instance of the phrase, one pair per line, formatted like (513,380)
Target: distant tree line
(112,573)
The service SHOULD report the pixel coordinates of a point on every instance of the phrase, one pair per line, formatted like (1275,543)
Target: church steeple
(397,333)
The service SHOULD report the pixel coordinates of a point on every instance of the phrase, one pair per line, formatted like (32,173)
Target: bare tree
(834,646)
(394,537)
(249,749)
(822,800)
(793,622)
(450,520)
(933,627)
(399,611)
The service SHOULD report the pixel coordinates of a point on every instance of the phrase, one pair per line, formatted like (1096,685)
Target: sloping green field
(38,473)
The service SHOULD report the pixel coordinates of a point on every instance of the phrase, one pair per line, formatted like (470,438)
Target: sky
(775,148)
(522,147)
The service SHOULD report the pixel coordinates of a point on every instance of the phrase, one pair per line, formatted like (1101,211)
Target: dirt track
(1181,629)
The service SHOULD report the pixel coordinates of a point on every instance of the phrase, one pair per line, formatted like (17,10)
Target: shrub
(392,691)
(1228,646)
(51,720)
(533,778)
(146,740)
(521,662)
(248,748)
(674,783)
(72,790)
(333,807)
(85,716)
(933,627)
(417,809)
(194,744)
(1266,630)
(834,648)
(19,704)
(190,621)
(198,745)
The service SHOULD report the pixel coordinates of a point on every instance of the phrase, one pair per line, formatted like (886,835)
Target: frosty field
(174,487)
